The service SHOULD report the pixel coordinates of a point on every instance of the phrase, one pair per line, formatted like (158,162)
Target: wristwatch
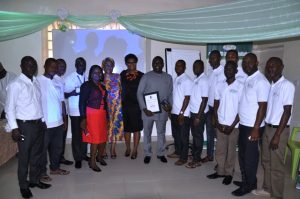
(181,113)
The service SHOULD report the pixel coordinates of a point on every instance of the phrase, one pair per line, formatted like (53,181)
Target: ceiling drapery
(239,21)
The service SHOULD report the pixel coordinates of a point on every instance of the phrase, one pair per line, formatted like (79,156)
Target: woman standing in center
(92,106)
(113,86)
(132,115)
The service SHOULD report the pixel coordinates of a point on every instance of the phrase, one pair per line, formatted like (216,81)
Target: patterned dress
(115,120)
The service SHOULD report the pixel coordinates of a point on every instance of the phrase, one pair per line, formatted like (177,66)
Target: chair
(294,146)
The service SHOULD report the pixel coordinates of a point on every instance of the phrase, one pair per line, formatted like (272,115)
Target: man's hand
(83,124)
(196,121)
(275,142)
(180,119)
(228,129)
(16,135)
(254,135)
(167,108)
(148,113)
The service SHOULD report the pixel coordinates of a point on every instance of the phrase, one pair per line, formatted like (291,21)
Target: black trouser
(30,151)
(64,140)
(248,156)
(79,148)
(210,132)
(53,144)
(181,134)
(197,132)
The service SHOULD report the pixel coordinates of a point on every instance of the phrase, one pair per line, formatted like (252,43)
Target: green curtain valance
(239,21)
(89,21)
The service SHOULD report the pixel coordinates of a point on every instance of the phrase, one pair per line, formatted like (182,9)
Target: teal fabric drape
(14,24)
(239,21)
(89,21)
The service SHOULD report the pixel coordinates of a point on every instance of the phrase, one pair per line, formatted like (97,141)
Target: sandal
(192,165)
(45,178)
(134,155)
(59,172)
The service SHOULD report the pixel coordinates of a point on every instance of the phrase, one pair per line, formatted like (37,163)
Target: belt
(30,121)
(276,126)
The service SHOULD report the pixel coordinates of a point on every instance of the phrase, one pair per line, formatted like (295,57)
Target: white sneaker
(298,185)
(261,193)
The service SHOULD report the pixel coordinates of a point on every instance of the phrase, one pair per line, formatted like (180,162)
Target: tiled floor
(124,178)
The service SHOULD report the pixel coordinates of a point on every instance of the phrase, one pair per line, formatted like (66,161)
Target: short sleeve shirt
(199,90)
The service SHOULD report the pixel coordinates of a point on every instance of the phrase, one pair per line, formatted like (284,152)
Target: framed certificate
(152,102)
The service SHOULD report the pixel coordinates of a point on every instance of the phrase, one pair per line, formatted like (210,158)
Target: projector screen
(95,45)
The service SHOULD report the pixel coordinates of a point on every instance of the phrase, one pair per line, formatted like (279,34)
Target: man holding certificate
(155,99)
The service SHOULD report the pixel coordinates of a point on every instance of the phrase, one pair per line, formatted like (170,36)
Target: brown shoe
(206,159)
(173,155)
(180,162)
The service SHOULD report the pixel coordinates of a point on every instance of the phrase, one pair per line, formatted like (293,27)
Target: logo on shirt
(233,91)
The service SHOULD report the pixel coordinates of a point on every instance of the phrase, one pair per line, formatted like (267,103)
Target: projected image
(95,45)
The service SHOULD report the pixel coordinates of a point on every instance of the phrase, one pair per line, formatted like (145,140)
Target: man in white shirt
(276,135)
(59,78)
(198,108)
(214,77)
(52,98)
(233,55)
(252,111)
(72,90)
(24,115)
(227,97)
(180,121)
(5,78)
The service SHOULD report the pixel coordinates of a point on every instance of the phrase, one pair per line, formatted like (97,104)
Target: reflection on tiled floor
(124,178)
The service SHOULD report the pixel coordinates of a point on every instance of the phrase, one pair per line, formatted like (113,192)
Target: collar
(253,75)
(278,81)
(219,69)
(200,76)
(26,79)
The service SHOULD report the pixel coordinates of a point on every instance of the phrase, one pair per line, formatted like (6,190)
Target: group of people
(237,105)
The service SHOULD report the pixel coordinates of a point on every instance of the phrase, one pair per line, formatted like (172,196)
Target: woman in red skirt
(92,106)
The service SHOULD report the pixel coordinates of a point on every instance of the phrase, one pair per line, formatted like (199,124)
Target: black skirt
(132,119)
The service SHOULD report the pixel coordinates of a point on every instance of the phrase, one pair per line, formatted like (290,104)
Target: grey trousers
(161,138)
(226,152)
(272,162)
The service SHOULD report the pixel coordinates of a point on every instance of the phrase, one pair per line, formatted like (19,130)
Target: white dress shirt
(73,82)
(256,89)
(199,90)
(181,87)
(281,94)
(229,97)
(23,100)
(215,76)
(9,77)
(51,101)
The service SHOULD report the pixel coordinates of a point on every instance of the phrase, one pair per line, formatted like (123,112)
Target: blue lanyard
(80,79)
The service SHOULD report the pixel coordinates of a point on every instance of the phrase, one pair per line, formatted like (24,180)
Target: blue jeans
(181,136)
(210,132)
(197,132)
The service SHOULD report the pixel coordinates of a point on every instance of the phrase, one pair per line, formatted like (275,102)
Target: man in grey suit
(161,82)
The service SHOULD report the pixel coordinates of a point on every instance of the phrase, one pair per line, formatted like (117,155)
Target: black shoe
(147,159)
(227,180)
(95,168)
(26,193)
(162,159)
(78,164)
(215,175)
(102,162)
(86,158)
(241,191)
(40,185)
(66,162)
(238,183)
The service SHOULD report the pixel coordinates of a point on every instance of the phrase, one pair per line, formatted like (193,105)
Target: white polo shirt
(217,75)
(73,81)
(256,89)
(51,101)
(229,97)
(181,87)
(199,90)
(241,75)
(281,94)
